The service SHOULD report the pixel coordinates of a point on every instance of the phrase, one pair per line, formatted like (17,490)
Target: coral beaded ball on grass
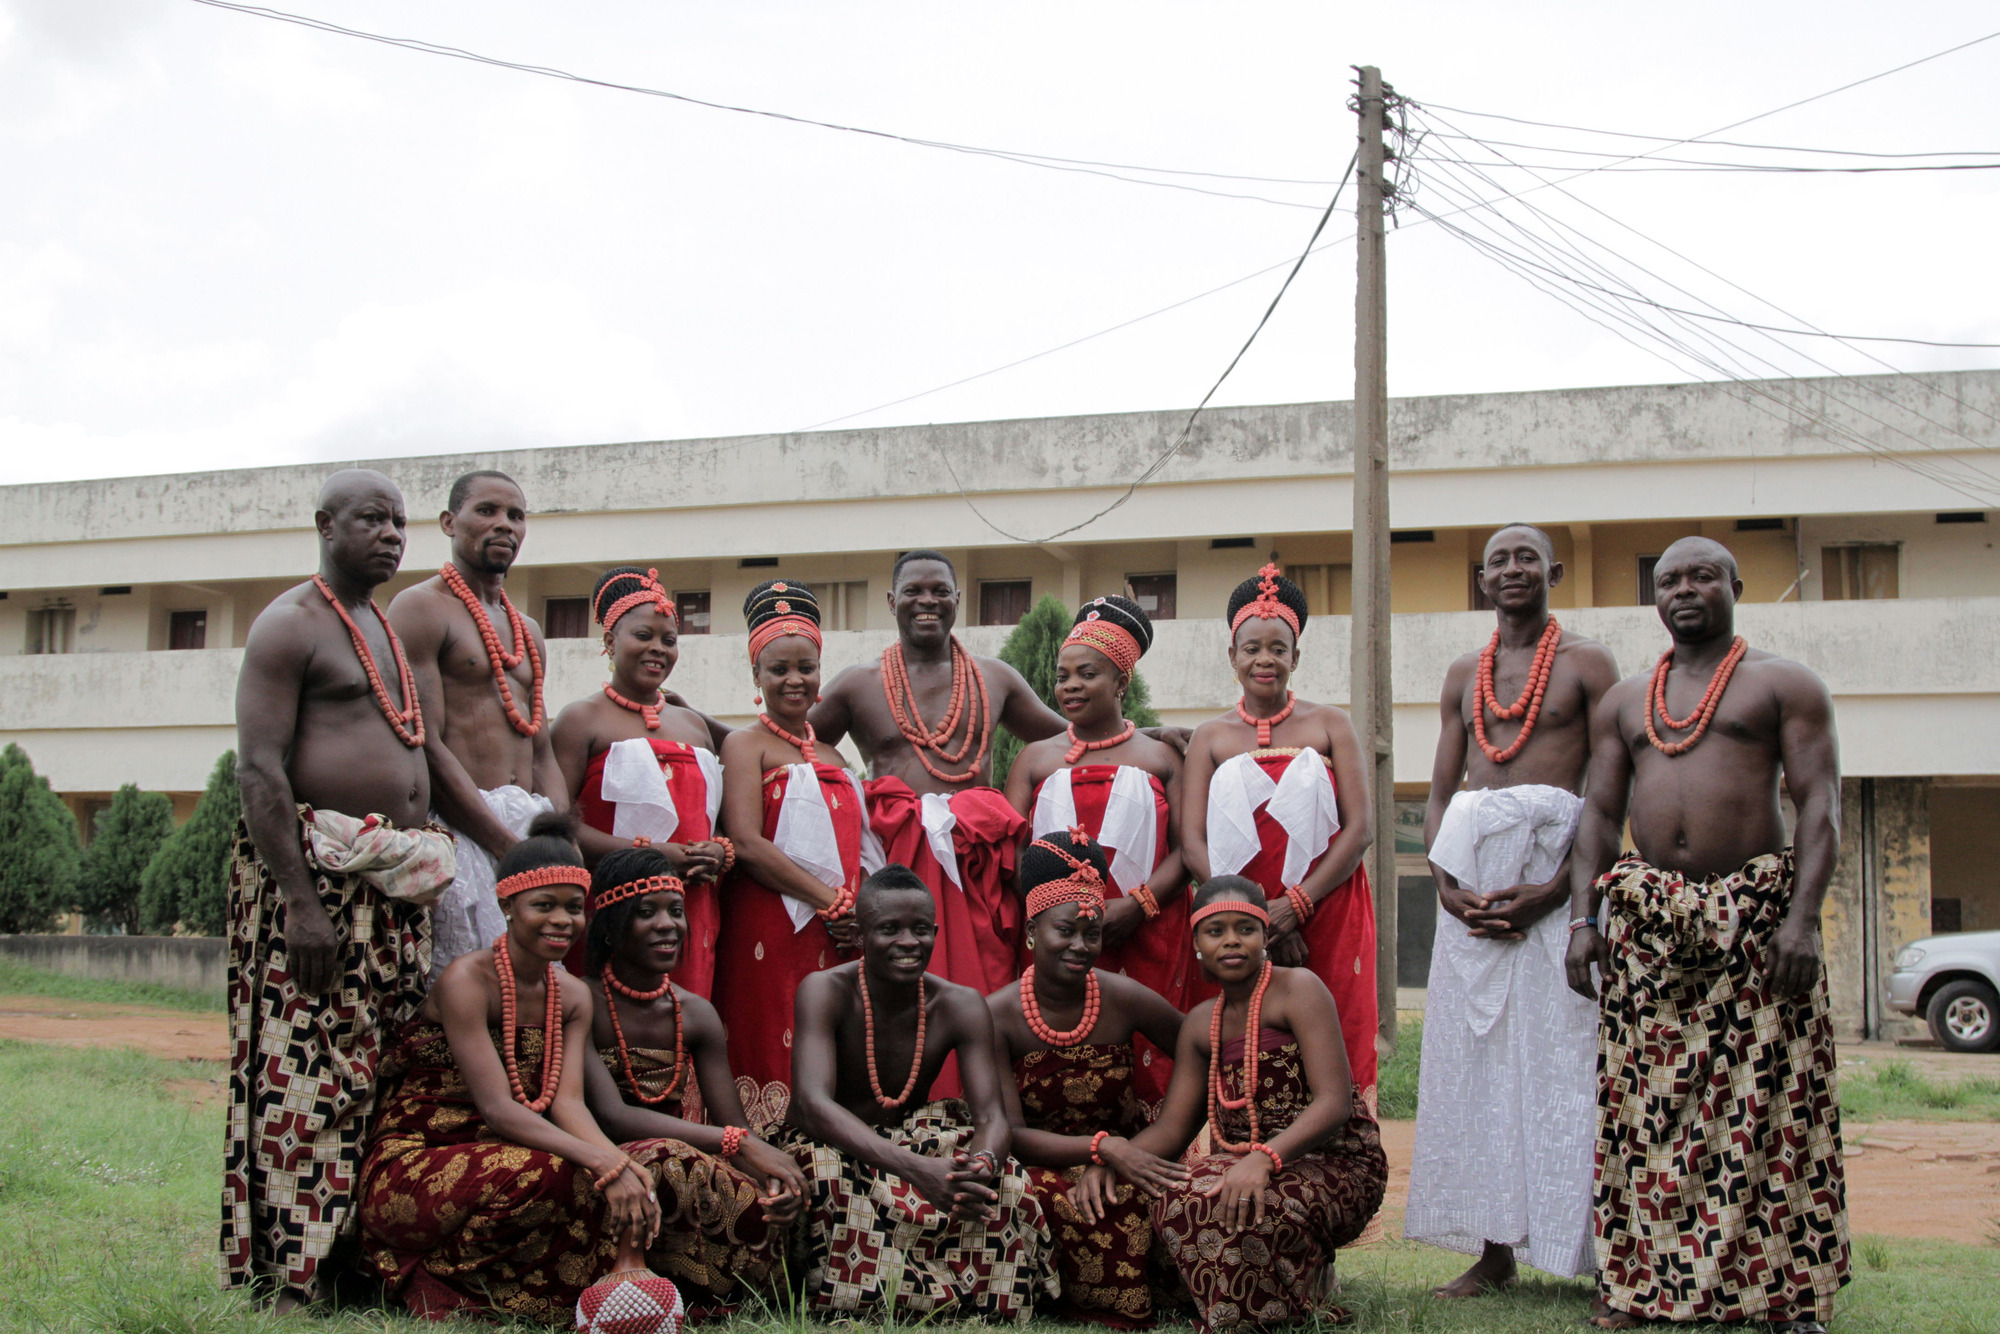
(631,1299)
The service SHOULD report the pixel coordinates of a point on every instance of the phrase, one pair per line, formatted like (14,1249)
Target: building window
(566,618)
(1329,589)
(1866,571)
(187,629)
(1154,593)
(1479,600)
(1646,564)
(842,606)
(1004,601)
(691,610)
(52,630)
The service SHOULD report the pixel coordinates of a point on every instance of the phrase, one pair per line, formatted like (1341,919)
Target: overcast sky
(228,241)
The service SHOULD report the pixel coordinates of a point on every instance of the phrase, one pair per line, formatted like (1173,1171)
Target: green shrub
(186,882)
(127,836)
(39,847)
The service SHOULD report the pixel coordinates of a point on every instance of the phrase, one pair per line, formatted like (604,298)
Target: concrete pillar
(1843,937)
(1903,861)
(1878,902)
(1582,572)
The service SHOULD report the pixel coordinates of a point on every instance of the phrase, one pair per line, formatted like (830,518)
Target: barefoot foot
(1602,1316)
(1494,1271)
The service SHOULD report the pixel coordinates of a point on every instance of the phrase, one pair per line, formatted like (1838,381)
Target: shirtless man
(329,932)
(1502,1167)
(1719,1188)
(491,765)
(870,1040)
(930,798)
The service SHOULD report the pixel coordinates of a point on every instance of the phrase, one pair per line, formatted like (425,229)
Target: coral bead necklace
(1253,1029)
(910,722)
(1704,713)
(552,1032)
(916,1058)
(502,662)
(1078,746)
(804,743)
(666,988)
(650,712)
(1264,725)
(1528,706)
(408,721)
(1031,1010)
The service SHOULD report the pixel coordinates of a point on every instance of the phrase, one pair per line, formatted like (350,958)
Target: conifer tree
(187,881)
(1032,650)
(127,835)
(39,847)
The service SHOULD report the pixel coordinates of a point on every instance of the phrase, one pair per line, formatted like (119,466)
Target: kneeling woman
(1066,1028)
(725,1195)
(488,1186)
(1298,1167)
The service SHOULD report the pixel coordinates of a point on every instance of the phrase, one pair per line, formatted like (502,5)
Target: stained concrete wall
(196,963)
(1878,902)
(1965,852)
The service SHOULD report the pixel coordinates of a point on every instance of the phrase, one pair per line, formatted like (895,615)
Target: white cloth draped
(635,782)
(805,833)
(1131,821)
(935,811)
(1507,1095)
(1301,800)
(467,916)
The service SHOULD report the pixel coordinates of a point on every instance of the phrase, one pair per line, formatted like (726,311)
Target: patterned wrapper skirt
(871,1242)
(1280,1271)
(1719,1185)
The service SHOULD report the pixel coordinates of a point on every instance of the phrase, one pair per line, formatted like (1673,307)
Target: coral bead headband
(1084,887)
(540,878)
(1229,905)
(1113,641)
(1266,603)
(649,592)
(637,889)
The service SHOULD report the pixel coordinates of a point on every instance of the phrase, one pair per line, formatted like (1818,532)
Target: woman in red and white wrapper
(799,822)
(640,767)
(1120,786)
(1275,790)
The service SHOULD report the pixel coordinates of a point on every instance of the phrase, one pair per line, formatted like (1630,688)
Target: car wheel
(1965,1016)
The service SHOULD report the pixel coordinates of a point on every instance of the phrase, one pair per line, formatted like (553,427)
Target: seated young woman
(725,1195)
(640,764)
(1297,1168)
(1064,1037)
(488,1186)
(1121,787)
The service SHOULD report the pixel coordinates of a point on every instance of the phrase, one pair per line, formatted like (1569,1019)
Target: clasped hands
(1505,915)
(1148,1173)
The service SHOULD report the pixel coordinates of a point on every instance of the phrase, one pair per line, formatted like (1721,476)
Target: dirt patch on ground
(1927,1059)
(179,1035)
(1904,1178)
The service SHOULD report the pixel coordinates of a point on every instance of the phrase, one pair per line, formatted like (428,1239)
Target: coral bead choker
(650,712)
(1078,747)
(1031,1010)
(1264,725)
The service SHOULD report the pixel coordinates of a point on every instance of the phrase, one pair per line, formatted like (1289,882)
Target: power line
(1187,427)
(1695,165)
(1705,139)
(1083,166)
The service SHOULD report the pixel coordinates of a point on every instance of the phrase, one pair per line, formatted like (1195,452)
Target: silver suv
(1954,983)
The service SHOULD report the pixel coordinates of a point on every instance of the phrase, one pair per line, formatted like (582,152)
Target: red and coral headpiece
(1084,886)
(540,878)
(1113,641)
(649,591)
(1267,603)
(637,889)
(785,623)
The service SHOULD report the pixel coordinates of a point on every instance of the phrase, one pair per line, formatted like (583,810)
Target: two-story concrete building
(126,601)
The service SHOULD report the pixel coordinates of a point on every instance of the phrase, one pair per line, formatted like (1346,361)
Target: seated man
(909,1202)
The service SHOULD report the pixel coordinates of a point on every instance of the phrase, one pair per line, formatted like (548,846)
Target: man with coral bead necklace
(1502,1167)
(478,663)
(1719,1182)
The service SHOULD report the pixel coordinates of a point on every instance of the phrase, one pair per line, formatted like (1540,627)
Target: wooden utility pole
(1372,695)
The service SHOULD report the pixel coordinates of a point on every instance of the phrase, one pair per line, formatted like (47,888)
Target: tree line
(140,874)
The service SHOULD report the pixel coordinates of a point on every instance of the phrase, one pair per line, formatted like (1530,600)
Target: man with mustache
(1502,1167)
(330,879)
(909,1200)
(479,668)
(1720,1191)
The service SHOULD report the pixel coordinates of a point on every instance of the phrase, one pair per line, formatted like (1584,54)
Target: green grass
(110,1181)
(18,979)
(1396,1078)
(1896,1091)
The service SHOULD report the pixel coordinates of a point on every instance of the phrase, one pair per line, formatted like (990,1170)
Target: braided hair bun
(631,586)
(1268,594)
(1122,612)
(779,597)
(1038,866)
